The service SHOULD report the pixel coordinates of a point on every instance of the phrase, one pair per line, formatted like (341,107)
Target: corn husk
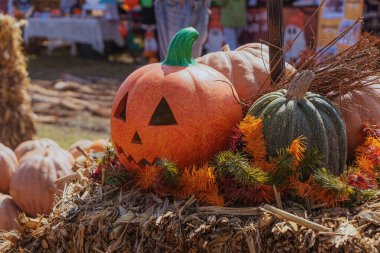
(16,116)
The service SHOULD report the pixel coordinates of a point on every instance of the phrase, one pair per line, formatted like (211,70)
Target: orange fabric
(203,103)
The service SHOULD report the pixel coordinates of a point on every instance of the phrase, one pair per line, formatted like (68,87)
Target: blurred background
(80,51)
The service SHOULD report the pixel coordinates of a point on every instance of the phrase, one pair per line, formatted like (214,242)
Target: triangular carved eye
(121,111)
(163,115)
(136,139)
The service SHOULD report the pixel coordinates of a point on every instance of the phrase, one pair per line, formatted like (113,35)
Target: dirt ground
(50,68)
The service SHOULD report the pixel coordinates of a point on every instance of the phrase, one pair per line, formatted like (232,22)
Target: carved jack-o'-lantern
(177,109)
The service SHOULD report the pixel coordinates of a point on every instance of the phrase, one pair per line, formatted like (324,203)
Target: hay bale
(95,218)
(16,116)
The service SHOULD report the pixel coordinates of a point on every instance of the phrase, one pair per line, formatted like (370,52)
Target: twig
(229,210)
(277,197)
(84,153)
(300,221)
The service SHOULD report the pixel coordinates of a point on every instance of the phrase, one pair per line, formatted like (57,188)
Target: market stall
(92,31)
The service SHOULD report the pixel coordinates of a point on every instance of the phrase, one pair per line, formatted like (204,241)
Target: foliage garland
(246,175)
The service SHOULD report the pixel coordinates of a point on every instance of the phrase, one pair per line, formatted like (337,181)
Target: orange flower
(149,178)
(331,198)
(201,183)
(303,189)
(247,194)
(211,198)
(368,156)
(297,150)
(252,129)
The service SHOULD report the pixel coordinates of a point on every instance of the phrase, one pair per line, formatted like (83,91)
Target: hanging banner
(335,16)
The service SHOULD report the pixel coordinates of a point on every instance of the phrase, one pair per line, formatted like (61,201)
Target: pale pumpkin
(43,144)
(32,186)
(8,166)
(358,108)
(177,109)
(31,145)
(8,213)
(247,68)
(289,114)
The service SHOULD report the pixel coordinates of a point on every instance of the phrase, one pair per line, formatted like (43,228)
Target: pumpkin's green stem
(181,48)
(300,85)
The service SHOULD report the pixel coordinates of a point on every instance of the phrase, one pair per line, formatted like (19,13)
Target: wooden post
(276,39)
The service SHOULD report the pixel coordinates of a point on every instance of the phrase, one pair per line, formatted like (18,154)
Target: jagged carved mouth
(142,163)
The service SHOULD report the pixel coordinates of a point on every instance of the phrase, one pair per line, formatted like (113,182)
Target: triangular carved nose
(136,138)
(163,115)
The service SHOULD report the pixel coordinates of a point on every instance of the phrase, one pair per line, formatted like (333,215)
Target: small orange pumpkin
(176,109)
(8,166)
(32,186)
(358,108)
(247,68)
(8,213)
(83,144)
(97,146)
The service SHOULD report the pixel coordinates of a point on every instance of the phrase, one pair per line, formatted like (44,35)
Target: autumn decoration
(161,104)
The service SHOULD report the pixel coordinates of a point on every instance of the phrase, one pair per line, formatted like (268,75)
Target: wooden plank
(276,39)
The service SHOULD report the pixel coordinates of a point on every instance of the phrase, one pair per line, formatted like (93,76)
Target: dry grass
(65,136)
(95,218)
(16,123)
(353,69)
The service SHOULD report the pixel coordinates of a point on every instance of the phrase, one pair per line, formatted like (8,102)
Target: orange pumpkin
(32,186)
(247,68)
(177,109)
(8,166)
(8,213)
(358,108)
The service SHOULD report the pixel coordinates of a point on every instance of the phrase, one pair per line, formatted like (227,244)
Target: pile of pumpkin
(28,175)
(185,109)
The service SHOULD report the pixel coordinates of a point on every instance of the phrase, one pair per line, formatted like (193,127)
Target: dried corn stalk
(16,116)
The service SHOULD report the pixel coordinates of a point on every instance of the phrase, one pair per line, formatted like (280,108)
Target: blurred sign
(306,2)
(372,16)
(215,38)
(334,18)
(299,32)
(256,29)
(295,19)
